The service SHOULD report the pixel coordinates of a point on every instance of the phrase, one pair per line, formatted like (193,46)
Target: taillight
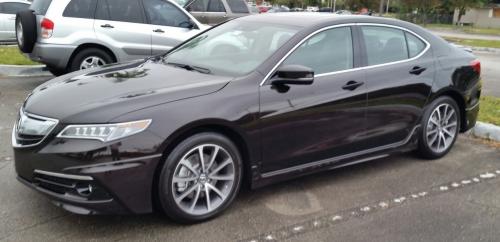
(47,28)
(476,66)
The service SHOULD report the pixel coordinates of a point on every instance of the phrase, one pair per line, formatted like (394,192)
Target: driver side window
(325,52)
(166,14)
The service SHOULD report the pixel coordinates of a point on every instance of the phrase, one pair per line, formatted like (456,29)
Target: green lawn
(489,110)
(10,55)
(465,29)
(475,42)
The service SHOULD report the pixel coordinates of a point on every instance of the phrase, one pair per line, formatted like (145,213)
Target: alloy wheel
(203,179)
(91,62)
(19,31)
(442,127)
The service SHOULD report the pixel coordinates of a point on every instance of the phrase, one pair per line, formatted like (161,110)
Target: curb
(486,131)
(23,71)
(485,49)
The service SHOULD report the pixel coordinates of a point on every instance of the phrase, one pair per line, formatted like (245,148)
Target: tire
(177,198)
(26,31)
(438,135)
(56,71)
(87,54)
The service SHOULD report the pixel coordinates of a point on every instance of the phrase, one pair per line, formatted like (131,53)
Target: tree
(463,5)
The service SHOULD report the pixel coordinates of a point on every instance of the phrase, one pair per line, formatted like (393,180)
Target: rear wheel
(90,58)
(200,178)
(440,128)
(26,30)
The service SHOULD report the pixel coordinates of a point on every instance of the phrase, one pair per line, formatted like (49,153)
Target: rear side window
(40,6)
(198,6)
(120,10)
(415,45)
(238,6)
(80,9)
(165,14)
(384,44)
(12,8)
(215,6)
(327,51)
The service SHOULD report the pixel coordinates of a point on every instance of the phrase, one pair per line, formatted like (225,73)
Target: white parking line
(330,220)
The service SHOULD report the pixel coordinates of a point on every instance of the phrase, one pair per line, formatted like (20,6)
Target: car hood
(99,95)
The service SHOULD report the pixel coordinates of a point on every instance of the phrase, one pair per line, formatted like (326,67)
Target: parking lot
(392,199)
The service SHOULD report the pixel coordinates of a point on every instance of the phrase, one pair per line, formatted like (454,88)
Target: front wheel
(440,128)
(200,178)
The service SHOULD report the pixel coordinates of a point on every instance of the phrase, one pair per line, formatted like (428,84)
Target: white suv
(69,35)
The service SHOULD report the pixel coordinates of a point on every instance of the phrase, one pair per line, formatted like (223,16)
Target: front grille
(25,140)
(31,130)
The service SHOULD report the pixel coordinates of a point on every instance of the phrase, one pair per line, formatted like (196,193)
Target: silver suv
(69,35)
(213,12)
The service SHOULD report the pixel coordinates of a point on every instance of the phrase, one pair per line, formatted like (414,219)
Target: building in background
(487,16)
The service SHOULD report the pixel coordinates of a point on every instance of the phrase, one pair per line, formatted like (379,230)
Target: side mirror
(293,75)
(190,24)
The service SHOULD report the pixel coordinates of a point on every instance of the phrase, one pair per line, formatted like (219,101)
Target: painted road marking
(339,217)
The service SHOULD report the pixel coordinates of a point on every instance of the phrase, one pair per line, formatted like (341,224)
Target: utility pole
(381,8)
(334,5)
(387,7)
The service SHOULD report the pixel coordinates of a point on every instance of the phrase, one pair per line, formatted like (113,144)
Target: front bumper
(53,55)
(106,179)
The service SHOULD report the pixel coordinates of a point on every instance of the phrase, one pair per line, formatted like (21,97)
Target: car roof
(302,19)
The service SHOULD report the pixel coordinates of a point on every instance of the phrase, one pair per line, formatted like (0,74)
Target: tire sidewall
(424,147)
(28,21)
(85,53)
(165,195)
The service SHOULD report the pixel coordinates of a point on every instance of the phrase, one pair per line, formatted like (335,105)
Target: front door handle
(417,70)
(158,31)
(352,85)
(107,26)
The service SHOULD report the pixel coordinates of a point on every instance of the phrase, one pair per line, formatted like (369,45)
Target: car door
(169,25)
(8,11)
(122,25)
(209,12)
(400,73)
(310,123)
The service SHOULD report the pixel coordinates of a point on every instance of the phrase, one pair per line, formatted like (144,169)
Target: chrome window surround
(428,45)
(29,115)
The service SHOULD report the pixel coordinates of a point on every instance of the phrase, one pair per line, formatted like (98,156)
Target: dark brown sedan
(255,100)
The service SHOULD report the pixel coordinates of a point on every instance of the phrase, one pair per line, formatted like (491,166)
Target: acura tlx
(256,100)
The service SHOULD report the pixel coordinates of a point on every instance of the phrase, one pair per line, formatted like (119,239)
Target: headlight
(104,132)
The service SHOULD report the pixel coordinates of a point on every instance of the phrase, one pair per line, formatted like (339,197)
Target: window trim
(428,45)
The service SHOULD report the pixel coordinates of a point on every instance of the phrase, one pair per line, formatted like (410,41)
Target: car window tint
(415,45)
(40,6)
(198,6)
(328,51)
(238,6)
(384,44)
(80,9)
(215,6)
(120,10)
(13,8)
(164,13)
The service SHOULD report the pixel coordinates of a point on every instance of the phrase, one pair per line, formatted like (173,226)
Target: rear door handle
(417,70)
(352,85)
(107,26)
(158,31)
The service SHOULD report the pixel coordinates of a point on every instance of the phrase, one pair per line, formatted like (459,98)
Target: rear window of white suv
(40,6)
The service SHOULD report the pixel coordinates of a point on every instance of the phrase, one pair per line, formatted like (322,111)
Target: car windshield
(233,49)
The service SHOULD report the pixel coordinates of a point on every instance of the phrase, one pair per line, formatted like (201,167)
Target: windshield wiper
(190,67)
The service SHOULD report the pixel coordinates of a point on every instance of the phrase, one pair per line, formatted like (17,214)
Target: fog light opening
(84,189)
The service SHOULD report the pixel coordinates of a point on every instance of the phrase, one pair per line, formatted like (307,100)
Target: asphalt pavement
(400,198)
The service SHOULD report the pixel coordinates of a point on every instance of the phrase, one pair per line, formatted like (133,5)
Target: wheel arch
(215,126)
(91,45)
(460,100)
